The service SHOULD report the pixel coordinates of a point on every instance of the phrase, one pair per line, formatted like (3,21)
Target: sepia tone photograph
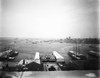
(49,39)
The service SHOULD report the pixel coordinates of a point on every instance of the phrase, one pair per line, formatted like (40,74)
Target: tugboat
(94,54)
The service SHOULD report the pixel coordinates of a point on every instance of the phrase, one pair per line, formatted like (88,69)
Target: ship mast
(76,46)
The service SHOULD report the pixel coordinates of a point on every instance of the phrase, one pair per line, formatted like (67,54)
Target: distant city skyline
(49,18)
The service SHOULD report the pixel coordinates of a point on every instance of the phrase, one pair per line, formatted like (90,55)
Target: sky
(49,18)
